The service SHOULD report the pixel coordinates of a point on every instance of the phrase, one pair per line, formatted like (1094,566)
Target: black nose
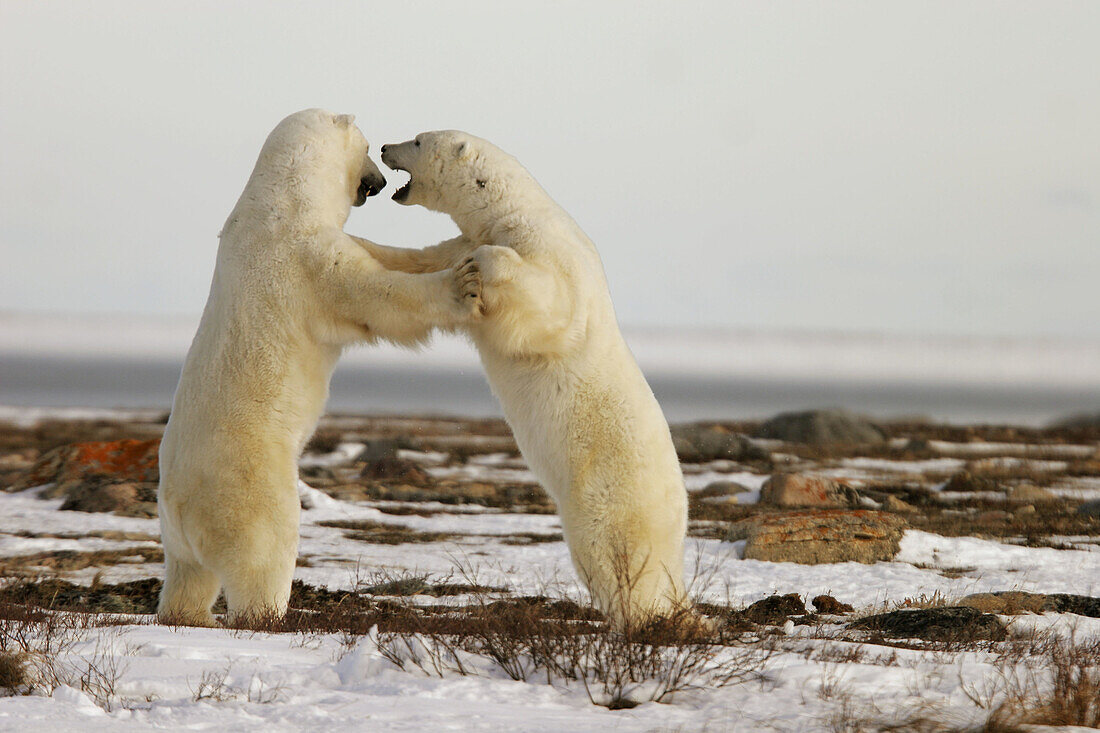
(384,148)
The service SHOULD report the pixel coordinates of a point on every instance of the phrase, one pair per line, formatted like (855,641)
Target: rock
(1024,510)
(699,444)
(15,462)
(1079,420)
(721,488)
(1026,494)
(1008,602)
(821,427)
(918,445)
(815,537)
(830,605)
(775,610)
(796,490)
(893,504)
(127,499)
(966,481)
(950,623)
(395,469)
(1080,605)
(382,462)
(379,449)
(1090,508)
(116,461)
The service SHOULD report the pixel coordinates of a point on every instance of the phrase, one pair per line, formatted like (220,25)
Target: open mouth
(402,193)
(388,155)
(367,187)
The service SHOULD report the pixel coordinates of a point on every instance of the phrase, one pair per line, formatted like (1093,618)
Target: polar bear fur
(290,290)
(581,411)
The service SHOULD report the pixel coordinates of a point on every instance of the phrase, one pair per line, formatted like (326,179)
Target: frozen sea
(109,361)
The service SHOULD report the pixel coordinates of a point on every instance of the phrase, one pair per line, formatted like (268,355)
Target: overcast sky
(895,167)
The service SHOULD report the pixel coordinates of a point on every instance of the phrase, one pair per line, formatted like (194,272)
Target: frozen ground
(815,677)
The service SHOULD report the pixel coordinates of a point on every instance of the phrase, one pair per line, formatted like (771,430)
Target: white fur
(582,413)
(290,290)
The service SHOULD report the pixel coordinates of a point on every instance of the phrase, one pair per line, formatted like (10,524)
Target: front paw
(498,264)
(467,280)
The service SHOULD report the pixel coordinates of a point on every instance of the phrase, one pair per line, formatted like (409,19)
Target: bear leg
(188,593)
(259,590)
(632,583)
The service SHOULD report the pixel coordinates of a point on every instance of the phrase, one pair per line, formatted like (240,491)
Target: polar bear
(290,290)
(581,411)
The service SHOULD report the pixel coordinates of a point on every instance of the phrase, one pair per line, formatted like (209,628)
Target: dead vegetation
(41,651)
(56,561)
(1046,681)
(378,533)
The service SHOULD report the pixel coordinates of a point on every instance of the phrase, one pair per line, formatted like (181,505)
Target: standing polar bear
(290,290)
(582,413)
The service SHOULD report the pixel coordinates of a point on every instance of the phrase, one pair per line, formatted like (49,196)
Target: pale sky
(917,167)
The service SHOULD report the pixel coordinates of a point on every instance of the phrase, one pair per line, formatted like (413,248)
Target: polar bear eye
(480,183)
(416,143)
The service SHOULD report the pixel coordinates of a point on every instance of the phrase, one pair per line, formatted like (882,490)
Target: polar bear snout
(393,152)
(370,185)
(392,156)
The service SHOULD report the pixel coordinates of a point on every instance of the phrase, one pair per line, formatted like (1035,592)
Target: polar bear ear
(344,120)
(462,150)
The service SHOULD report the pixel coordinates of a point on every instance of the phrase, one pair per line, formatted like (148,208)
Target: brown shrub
(13,671)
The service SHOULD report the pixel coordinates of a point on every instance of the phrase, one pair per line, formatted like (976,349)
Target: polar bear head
(321,158)
(455,173)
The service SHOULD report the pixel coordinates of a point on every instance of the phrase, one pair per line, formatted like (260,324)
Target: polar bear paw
(467,278)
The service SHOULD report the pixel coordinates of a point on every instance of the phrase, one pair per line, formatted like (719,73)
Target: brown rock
(796,490)
(125,499)
(775,610)
(1090,508)
(822,427)
(893,504)
(721,492)
(830,605)
(966,481)
(115,461)
(701,443)
(1028,494)
(395,469)
(1008,602)
(948,623)
(814,537)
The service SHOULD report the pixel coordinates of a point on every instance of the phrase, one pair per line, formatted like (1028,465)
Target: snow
(344,454)
(218,679)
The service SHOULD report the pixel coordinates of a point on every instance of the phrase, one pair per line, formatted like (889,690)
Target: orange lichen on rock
(115,460)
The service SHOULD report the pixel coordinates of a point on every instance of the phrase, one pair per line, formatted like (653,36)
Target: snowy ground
(185,678)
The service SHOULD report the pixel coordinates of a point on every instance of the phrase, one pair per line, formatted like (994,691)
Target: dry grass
(653,663)
(1059,686)
(13,671)
(35,564)
(45,644)
(364,530)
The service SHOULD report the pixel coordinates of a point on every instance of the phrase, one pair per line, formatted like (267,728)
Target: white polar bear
(290,290)
(582,413)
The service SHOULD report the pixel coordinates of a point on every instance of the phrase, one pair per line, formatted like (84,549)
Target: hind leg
(260,588)
(188,593)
